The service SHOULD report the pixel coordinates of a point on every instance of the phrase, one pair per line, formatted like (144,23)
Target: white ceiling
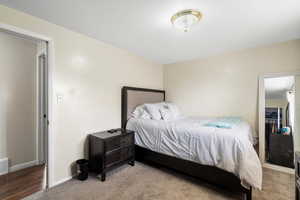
(276,88)
(143,26)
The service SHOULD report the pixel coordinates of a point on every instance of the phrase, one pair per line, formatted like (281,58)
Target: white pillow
(166,113)
(154,110)
(170,111)
(173,109)
(140,112)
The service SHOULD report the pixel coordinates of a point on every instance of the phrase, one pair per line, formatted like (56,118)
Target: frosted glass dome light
(185,19)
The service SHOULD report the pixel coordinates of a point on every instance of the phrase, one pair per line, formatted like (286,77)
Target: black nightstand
(297,175)
(109,150)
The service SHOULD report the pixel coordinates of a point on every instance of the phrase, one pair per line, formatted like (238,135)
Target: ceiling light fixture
(185,19)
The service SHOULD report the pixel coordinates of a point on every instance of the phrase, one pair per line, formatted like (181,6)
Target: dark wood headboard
(132,97)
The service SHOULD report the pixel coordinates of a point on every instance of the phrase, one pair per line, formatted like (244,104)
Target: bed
(223,157)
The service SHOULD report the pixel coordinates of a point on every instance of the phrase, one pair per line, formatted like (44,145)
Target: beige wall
(88,74)
(227,84)
(17,107)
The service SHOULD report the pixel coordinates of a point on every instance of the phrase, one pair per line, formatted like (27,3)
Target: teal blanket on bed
(224,122)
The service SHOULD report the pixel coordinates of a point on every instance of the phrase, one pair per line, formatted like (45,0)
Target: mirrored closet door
(280,118)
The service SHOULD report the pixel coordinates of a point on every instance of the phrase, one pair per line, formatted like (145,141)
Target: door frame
(261,122)
(50,65)
(41,107)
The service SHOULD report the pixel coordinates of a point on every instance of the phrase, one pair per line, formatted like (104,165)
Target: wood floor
(22,183)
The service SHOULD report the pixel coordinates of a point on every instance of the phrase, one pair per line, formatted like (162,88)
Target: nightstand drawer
(127,140)
(112,144)
(119,155)
(113,157)
(127,152)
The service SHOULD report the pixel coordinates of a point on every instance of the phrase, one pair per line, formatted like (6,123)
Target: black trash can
(82,169)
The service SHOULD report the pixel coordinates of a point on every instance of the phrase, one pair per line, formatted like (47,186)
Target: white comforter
(187,138)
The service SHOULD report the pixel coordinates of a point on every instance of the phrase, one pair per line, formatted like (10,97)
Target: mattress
(189,138)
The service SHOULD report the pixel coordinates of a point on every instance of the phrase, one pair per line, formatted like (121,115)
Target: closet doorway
(24,113)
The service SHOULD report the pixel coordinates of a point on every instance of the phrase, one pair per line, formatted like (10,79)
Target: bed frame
(131,97)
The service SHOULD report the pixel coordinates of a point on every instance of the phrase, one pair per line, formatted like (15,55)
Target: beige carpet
(143,182)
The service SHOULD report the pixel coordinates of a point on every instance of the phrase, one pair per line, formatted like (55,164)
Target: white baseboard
(23,166)
(61,181)
(279,168)
(3,166)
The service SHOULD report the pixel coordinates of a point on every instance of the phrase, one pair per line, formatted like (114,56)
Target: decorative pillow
(153,110)
(140,112)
